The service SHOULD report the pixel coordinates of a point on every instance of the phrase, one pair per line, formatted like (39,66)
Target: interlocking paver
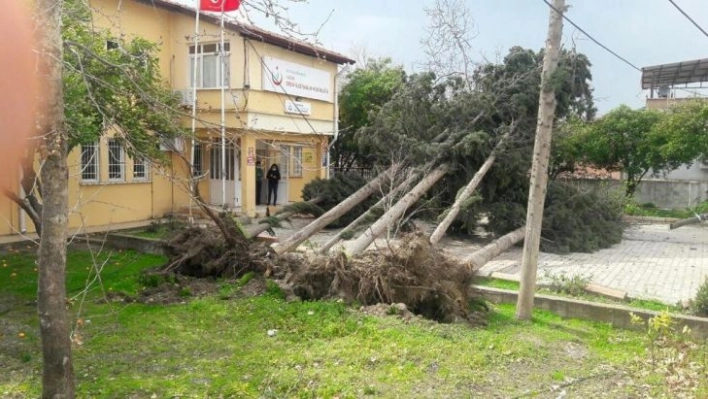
(651,261)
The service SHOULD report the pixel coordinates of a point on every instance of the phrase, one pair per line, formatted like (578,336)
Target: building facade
(280,108)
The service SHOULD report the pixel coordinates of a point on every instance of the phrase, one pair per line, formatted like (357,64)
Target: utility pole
(539,170)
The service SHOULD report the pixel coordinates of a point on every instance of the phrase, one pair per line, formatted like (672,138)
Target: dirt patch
(254,287)
(398,310)
(183,289)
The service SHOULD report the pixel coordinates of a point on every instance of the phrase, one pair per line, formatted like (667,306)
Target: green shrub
(699,304)
(563,284)
(335,190)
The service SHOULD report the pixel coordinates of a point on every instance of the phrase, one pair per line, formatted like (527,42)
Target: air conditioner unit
(175,144)
(186,97)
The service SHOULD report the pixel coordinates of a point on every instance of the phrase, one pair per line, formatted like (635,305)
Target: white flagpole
(192,180)
(223,117)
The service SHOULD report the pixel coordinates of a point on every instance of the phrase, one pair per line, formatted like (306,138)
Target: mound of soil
(415,274)
(202,252)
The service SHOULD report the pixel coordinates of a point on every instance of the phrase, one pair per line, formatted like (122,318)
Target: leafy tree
(683,133)
(366,90)
(117,87)
(625,140)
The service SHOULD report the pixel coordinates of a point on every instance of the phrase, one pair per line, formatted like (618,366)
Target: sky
(645,32)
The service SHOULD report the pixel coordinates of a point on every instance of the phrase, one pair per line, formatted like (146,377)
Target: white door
(230,174)
(283,164)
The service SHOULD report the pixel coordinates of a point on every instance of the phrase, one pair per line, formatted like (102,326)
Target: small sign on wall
(308,157)
(251,159)
(298,107)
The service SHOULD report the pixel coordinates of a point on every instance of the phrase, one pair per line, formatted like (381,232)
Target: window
(208,66)
(116,161)
(89,162)
(198,161)
(216,169)
(140,169)
(297,162)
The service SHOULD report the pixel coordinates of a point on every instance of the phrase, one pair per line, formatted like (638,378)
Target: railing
(366,173)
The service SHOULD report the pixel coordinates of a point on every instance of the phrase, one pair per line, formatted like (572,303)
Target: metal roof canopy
(684,72)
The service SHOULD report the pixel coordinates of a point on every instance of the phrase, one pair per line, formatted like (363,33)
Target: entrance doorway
(230,195)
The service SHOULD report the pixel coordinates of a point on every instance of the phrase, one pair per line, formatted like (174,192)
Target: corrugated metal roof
(678,73)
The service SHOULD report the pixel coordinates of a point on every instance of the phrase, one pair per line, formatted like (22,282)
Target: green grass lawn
(649,209)
(210,347)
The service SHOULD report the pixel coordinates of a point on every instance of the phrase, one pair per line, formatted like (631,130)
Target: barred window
(297,162)
(89,162)
(140,169)
(198,161)
(116,161)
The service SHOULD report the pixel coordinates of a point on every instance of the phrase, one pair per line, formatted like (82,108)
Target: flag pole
(192,169)
(223,116)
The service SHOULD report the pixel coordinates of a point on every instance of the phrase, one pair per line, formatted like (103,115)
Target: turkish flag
(219,5)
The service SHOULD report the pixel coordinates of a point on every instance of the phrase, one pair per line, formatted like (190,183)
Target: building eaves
(256,33)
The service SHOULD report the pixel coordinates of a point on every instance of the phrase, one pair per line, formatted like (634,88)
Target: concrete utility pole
(539,170)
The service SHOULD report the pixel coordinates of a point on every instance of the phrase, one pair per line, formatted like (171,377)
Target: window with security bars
(198,161)
(207,58)
(297,162)
(141,169)
(89,162)
(116,161)
(215,165)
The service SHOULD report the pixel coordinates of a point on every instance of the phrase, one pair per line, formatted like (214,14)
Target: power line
(689,18)
(592,38)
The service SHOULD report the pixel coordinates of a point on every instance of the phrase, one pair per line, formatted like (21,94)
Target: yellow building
(280,109)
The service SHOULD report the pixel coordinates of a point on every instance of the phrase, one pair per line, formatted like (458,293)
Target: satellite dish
(663,91)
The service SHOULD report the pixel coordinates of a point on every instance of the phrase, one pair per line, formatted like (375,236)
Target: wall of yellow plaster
(106,203)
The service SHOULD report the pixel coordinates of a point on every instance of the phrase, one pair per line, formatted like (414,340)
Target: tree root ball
(415,274)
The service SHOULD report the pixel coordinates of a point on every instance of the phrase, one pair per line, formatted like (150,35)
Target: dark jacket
(273,175)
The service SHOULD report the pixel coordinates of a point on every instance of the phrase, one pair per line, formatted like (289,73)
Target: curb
(616,315)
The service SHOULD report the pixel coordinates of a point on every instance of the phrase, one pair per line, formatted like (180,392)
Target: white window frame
(118,163)
(204,50)
(93,163)
(141,162)
(296,156)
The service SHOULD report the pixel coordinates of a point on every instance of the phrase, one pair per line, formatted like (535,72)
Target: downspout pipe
(336,119)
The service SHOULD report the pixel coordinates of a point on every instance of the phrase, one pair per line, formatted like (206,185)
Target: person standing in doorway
(259,182)
(273,177)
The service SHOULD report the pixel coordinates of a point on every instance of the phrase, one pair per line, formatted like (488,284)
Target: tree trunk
(261,227)
(539,169)
(334,213)
(58,372)
(396,211)
(368,213)
(692,220)
(466,193)
(491,251)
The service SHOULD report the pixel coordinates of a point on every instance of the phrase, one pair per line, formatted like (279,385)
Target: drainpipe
(336,118)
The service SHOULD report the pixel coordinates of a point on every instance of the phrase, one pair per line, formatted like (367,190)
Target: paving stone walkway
(651,262)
